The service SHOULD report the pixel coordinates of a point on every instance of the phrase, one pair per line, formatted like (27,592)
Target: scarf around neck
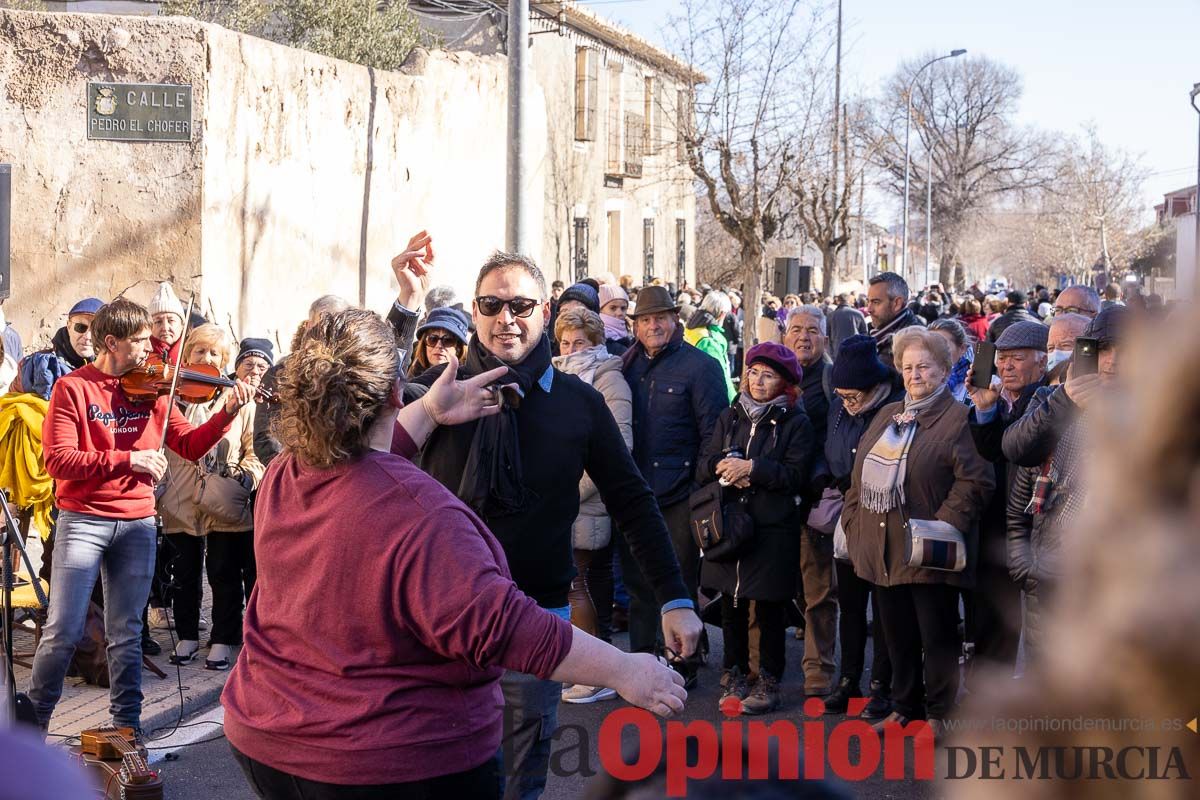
(492,482)
(584,363)
(614,327)
(756,410)
(885,467)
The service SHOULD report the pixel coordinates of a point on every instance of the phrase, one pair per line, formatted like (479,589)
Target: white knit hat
(165,300)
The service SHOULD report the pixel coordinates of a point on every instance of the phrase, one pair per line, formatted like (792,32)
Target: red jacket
(89,432)
(383,617)
(976,325)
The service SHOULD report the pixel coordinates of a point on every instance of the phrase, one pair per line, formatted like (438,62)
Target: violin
(197,383)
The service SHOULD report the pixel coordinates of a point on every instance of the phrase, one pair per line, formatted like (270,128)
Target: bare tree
(963,110)
(740,141)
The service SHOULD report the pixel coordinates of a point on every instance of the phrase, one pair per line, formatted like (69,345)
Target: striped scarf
(885,466)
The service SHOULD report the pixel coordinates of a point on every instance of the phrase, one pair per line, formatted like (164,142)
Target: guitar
(115,754)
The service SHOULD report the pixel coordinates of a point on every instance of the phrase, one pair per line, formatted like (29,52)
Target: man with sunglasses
(520,471)
(71,348)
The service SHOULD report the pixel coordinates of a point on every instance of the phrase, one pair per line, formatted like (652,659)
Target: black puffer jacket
(782,448)
(1030,440)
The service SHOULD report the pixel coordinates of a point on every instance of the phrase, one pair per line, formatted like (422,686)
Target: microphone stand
(20,709)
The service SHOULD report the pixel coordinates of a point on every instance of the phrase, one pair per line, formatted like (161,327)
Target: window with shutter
(587,90)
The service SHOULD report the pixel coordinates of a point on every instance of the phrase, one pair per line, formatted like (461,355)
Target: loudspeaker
(804,279)
(5,240)
(790,277)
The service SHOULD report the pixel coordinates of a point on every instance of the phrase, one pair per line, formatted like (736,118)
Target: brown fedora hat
(652,300)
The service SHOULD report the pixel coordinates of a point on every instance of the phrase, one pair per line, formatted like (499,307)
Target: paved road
(207,770)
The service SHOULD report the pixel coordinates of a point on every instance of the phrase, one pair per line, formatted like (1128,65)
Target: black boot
(880,704)
(149,646)
(839,701)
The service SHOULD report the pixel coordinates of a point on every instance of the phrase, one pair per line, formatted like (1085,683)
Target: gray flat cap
(1024,336)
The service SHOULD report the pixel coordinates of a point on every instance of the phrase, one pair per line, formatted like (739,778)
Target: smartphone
(1086,359)
(984,366)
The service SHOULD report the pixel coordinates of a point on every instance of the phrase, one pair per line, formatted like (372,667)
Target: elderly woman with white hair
(706,331)
(207,506)
(911,516)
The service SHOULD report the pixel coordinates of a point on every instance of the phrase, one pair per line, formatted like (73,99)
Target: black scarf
(493,483)
(64,350)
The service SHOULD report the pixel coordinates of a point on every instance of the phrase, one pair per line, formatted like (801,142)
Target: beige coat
(593,526)
(236,450)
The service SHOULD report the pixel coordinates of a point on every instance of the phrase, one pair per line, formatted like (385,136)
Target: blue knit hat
(583,293)
(857,365)
(256,347)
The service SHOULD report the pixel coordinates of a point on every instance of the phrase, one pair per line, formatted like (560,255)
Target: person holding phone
(1046,448)
(994,606)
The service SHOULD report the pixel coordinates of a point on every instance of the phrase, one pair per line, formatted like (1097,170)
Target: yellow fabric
(693,335)
(22,470)
(26,597)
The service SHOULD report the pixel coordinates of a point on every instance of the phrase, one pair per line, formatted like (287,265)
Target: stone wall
(264,210)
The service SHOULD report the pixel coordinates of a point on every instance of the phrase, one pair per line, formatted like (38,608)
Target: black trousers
(996,621)
(600,586)
(272,784)
(644,621)
(922,619)
(854,594)
(771,618)
(182,559)
(232,572)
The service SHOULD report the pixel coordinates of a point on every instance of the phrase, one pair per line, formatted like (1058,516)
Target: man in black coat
(844,321)
(806,337)
(887,296)
(520,471)
(994,624)
(1017,311)
(678,392)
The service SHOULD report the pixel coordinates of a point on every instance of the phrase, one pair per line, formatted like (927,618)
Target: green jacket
(711,339)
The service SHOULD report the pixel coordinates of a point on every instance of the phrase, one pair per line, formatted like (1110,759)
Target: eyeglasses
(81,327)
(1087,312)
(436,340)
(490,306)
(851,398)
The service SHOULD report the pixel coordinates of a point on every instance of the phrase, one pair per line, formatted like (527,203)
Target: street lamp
(1196,206)
(907,130)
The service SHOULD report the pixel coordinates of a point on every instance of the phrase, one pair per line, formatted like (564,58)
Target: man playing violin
(103,452)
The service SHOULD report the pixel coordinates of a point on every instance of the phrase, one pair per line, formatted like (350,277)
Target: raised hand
(413,269)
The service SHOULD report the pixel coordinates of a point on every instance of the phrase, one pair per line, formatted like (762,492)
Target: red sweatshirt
(376,635)
(89,432)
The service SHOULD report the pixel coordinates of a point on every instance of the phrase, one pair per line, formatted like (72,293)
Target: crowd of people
(498,485)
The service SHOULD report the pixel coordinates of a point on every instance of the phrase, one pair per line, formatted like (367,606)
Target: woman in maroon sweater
(384,613)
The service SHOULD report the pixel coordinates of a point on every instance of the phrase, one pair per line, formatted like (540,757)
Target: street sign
(139,112)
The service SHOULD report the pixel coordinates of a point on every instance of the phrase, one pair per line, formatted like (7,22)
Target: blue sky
(1127,66)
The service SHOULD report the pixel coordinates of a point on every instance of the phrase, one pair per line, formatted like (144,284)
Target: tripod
(19,707)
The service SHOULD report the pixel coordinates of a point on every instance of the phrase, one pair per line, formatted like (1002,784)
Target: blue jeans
(530,719)
(121,551)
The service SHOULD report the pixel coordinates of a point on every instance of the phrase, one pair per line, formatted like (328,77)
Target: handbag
(933,544)
(825,514)
(721,526)
(223,497)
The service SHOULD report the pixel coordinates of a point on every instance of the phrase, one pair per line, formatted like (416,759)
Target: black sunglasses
(438,340)
(490,306)
(81,327)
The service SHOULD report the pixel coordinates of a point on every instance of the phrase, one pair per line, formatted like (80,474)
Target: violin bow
(187,324)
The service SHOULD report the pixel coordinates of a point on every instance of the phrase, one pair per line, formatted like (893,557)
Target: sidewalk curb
(194,702)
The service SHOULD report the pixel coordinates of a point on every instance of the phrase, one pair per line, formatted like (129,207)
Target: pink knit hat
(611,291)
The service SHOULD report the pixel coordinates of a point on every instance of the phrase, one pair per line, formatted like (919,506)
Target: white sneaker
(185,651)
(218,657)
(581,693)
(158,619)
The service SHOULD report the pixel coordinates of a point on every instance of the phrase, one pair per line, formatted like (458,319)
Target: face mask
(1056,357)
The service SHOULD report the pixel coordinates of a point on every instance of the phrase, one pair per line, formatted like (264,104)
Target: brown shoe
(892,718)
(735,690)
(764,696)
